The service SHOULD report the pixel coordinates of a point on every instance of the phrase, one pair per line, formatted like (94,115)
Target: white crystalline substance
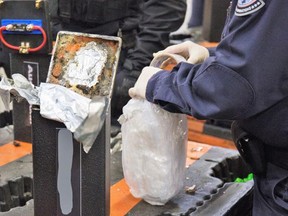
(86,66)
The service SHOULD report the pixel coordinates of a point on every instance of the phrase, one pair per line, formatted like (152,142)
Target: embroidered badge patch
(245,7)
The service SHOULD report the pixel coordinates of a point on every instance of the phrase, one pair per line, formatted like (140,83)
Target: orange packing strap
(9,152)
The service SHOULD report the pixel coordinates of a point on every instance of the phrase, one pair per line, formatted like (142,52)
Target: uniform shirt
(247,75)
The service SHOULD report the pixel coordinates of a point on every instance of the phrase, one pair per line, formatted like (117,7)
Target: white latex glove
(139,89)
(194,53)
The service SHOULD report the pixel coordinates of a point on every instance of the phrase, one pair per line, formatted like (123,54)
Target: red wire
(18,48)
(4,41)
(43,42)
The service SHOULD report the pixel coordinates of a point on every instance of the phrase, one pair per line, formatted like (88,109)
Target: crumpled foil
(82,116)
(19,87)
(5,92)
(86,66)
(89,129)
(62,105)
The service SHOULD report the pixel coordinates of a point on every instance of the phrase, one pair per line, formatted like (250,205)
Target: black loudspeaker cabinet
(35,69)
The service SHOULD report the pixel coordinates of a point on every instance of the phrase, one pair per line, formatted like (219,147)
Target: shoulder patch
(245,7)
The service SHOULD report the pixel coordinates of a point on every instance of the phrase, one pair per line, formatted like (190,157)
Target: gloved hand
(191,51)
(139,89)
(124,80)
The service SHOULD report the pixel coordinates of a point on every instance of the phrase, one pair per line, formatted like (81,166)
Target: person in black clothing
(192,28)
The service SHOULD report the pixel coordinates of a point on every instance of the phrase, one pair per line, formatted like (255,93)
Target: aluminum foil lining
(85,63)
(86,66)
(63,105)
(81,115)
(18,88)
(5,92)
(88,131)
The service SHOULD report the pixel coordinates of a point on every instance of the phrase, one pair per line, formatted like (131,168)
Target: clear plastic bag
(153,151)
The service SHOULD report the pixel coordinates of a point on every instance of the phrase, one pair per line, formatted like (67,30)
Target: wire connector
(38,4)
(24,48)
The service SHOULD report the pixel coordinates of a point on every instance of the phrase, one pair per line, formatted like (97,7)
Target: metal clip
(38,4)
(29,27)
(24,48)
(19,27)
(9,27)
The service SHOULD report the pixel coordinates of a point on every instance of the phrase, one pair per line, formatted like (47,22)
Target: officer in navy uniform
(245,79)
(144,26)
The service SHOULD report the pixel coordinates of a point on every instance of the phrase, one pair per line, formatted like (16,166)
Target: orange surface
(208,44)
(10,152)
(195,125)
(211,140)
(196,134)
(121,199)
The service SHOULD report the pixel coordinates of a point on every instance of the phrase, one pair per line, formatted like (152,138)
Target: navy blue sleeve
(211,51)
(248,74)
